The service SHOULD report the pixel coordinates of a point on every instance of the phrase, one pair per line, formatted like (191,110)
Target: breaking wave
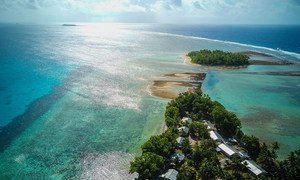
(272,50)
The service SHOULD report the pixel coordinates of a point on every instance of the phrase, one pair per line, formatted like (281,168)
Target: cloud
(197,5)
(32,4)
(176,2)
(164,11)
(116,6)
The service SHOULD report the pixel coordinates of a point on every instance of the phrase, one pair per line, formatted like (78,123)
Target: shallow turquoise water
(268,105)
(82,101)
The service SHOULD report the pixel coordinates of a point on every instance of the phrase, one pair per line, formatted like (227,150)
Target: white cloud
(166,11)
(116,6)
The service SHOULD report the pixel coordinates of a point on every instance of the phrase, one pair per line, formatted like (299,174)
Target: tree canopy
(226,122)
(160,144)
(218,57)
(199,129)
(148,165)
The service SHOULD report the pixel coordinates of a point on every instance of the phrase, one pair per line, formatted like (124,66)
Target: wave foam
(293,54)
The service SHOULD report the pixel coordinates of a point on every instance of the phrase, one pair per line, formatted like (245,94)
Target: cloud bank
(154,11)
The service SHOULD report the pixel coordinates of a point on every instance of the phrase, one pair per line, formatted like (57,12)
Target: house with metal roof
(171,174)
(227,150)
(179,141)
(216,136)
(186,120)
(243,155)
(209,125)
(177,157)
(184,130)
(253,167)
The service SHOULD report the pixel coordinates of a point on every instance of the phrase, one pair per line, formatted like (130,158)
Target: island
(205,141)
(69,25)
(218,58)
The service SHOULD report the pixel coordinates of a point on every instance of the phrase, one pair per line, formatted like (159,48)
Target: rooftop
(170,174)
(209,125)
(253,167)
(227,149)
(178,156)
(186,120)
(179,140)
(184,129)
(243,154)
(215,136)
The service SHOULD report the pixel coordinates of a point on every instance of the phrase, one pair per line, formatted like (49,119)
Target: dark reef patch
(264,118)
(36,109)
(287,73)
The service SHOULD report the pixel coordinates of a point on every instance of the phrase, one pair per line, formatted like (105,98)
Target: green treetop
(217,58)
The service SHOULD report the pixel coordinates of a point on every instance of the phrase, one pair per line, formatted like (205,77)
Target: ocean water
(75,101)
(282,37)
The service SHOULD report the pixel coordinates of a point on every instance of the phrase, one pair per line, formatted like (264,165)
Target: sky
(152,11)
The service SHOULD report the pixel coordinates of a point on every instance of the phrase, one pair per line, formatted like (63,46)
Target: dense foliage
(162,145)
(199,130)
(201,159)
(187,173)
(226,122)
(217,57)
(290,168)
(148,165)
(252,145)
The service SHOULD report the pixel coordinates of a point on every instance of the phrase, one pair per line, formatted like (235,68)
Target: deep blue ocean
(75,102)
(283,37)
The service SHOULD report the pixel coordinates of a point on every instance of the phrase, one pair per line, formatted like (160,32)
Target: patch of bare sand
(166,88)
(188,60)
(192,76)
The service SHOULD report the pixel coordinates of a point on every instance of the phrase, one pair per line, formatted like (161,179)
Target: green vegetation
(252,145)
(187,173)
(226,122)
(202,161)
(186,147)
(199,130)
(162,145)
(290,168)
(218,58)
(148,165)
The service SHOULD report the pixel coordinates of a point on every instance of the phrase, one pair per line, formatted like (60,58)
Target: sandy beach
(188,60)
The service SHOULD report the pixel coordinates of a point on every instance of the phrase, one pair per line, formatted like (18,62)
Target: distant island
(69,25)
(218,58)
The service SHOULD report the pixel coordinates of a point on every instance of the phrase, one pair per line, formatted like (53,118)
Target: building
(243,155)
(186,120)
(184,130)
(216,136)
(171,174)
(177,158)
(232,140)
(253,167)
(179,141)
(227,150)
(209,125)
